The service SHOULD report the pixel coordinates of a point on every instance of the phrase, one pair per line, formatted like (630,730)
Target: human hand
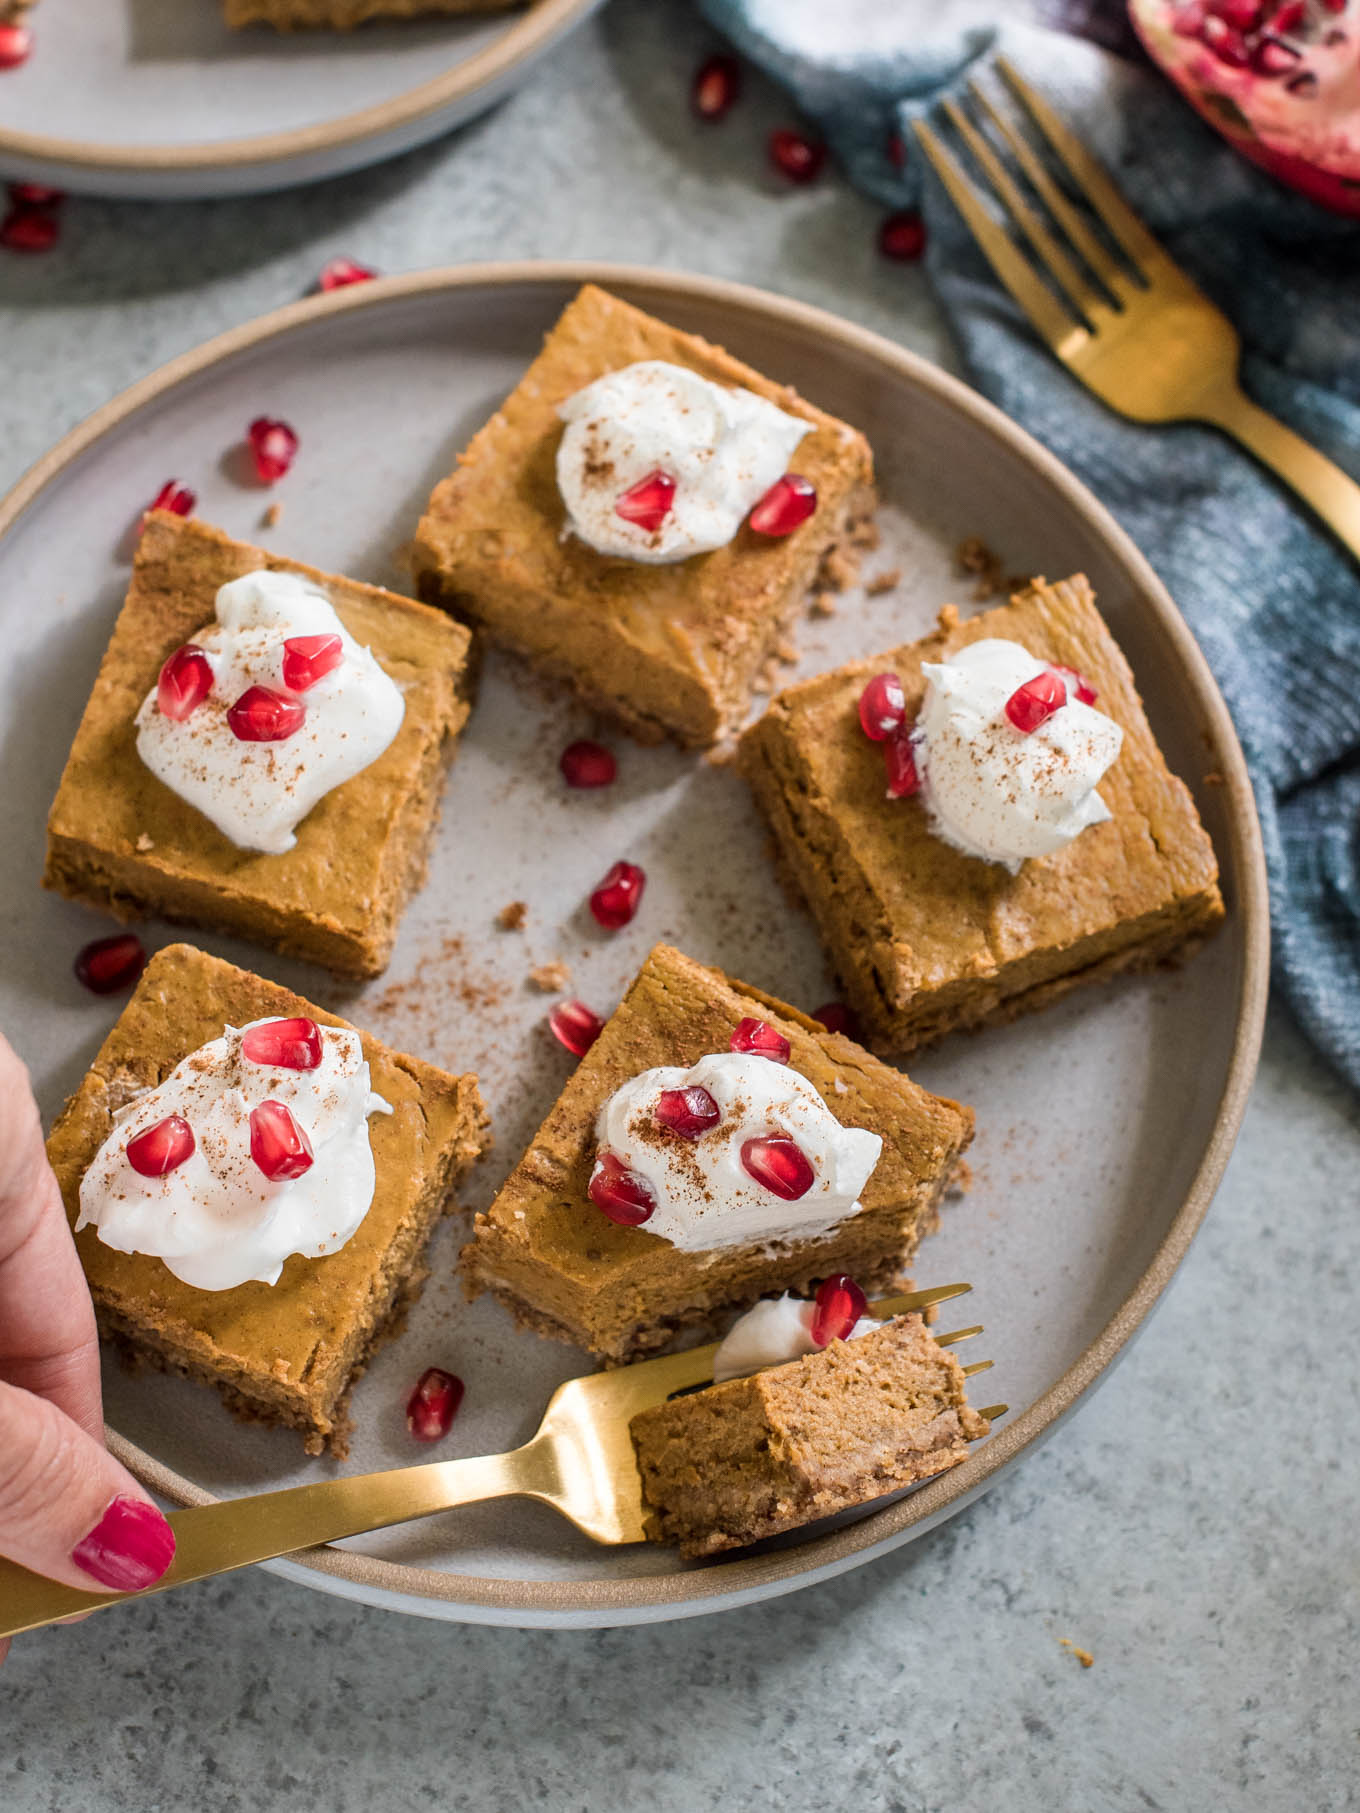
(67,1509)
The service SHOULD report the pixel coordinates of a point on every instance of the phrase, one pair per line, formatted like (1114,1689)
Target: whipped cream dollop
(257,793)
(705,1196)
(771,1333)
(216,1220)
(721,448)
(1000,793)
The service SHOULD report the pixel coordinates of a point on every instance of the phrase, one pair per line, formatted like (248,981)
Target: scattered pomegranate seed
(576,1026)
(837,1017)
(620,1193)
(109,964)
(795,155)
(897,151)
(788,502)
(688,1112)
(882,707)
(29,230)
(185,681)
(262,715)
(716,86)
(284,1044)
(902,237)
(307,659)
(175,496)
(339,273)
(273,447)
(587,764)
(433,1404)
(761,1040)
(278,1145)
(899,763)
(16,44)
(162,1148)
(840,1304)
(649,502)
(1085,692)
(35,195)
(617,898)
(1035,702)
(779,1165)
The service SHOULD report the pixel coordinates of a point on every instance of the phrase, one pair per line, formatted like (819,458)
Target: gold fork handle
(1318,480)
(234,1533)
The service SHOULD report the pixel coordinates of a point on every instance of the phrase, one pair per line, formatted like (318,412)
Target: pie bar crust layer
(726,1466)
(563,1268)
(343,15)
(285,1353)
(665,650)
(122,840)
(926,939)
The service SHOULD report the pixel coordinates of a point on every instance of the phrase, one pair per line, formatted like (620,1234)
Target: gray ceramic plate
(1103,1125)
(157,99)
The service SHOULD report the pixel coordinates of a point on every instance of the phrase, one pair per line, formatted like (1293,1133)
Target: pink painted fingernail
(129,1548)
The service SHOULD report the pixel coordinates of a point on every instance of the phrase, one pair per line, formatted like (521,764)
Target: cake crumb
(1214,778)
(866,534)
(272,516)
(838,572)
(511,918)
(721,755)
(145,843)
(786,653)
(886,581)
(822,604)
(551,978)
(1083,1656)
(974,556)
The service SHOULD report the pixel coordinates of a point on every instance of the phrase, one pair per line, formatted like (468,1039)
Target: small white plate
(1103,1124)
(158,100)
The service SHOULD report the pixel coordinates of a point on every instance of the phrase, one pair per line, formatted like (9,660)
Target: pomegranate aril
(778,1165)
(283,1044)
(649,502)
(902,237)
(1077,687)
(717,83)
(433,1404)
(307,659)
(587,764)
(839,1305)
(619,1193)
(109,964)
(273,447)
(1271,58)
(35,195)
(882,707)
(262,715)
(175,496)
(1228,46)
(795,155)
(899,763)
(1303,83)
(29,230)
(278,1144)
(576,1026)
(16,44)
(617,898)
(162,1148)
(1035,702)
(688,1112)
(1243,14)
(837,1017)
(788,503)
(759,1039)
(897,151)
(185,681)
(339,273)
(1287,18)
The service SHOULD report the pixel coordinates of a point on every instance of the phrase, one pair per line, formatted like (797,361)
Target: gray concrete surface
(1193,1527)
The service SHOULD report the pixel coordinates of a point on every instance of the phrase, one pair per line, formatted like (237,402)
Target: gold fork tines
(1121,315)
(580,1461)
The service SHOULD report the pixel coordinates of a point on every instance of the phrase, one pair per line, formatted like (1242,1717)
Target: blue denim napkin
(1272,598)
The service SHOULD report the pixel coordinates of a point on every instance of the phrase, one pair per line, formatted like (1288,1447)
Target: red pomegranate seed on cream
(779,1166)
(837,1017)
(1076,685)
(273,447)
(619,1193)
(649,502)
(307,659)
(587,764)
(795,155)
(433,1404)
(16,45)
(278,1145)
(840,1304)
(576,1026)
(283,1044)
(689,1111)
(785,506)
(162,1148)
(185,681)
(175,496)
(760,1039)
(614,902)
(882,707)
(340,273)
(899,763)
(716,86)
(109,964)
(902,237)
(29,230)
(1035,702)
(262,715)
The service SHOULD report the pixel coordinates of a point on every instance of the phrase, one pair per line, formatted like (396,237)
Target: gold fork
(1130,325)
(580,1461)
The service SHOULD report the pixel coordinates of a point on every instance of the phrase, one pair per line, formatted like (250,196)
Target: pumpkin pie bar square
(567,1270)
(286,1354)
(734,1463)
(120,839)
(665,650)
(926,938)
(343,15)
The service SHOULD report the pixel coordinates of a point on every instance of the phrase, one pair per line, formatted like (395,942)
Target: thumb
(67,1509)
